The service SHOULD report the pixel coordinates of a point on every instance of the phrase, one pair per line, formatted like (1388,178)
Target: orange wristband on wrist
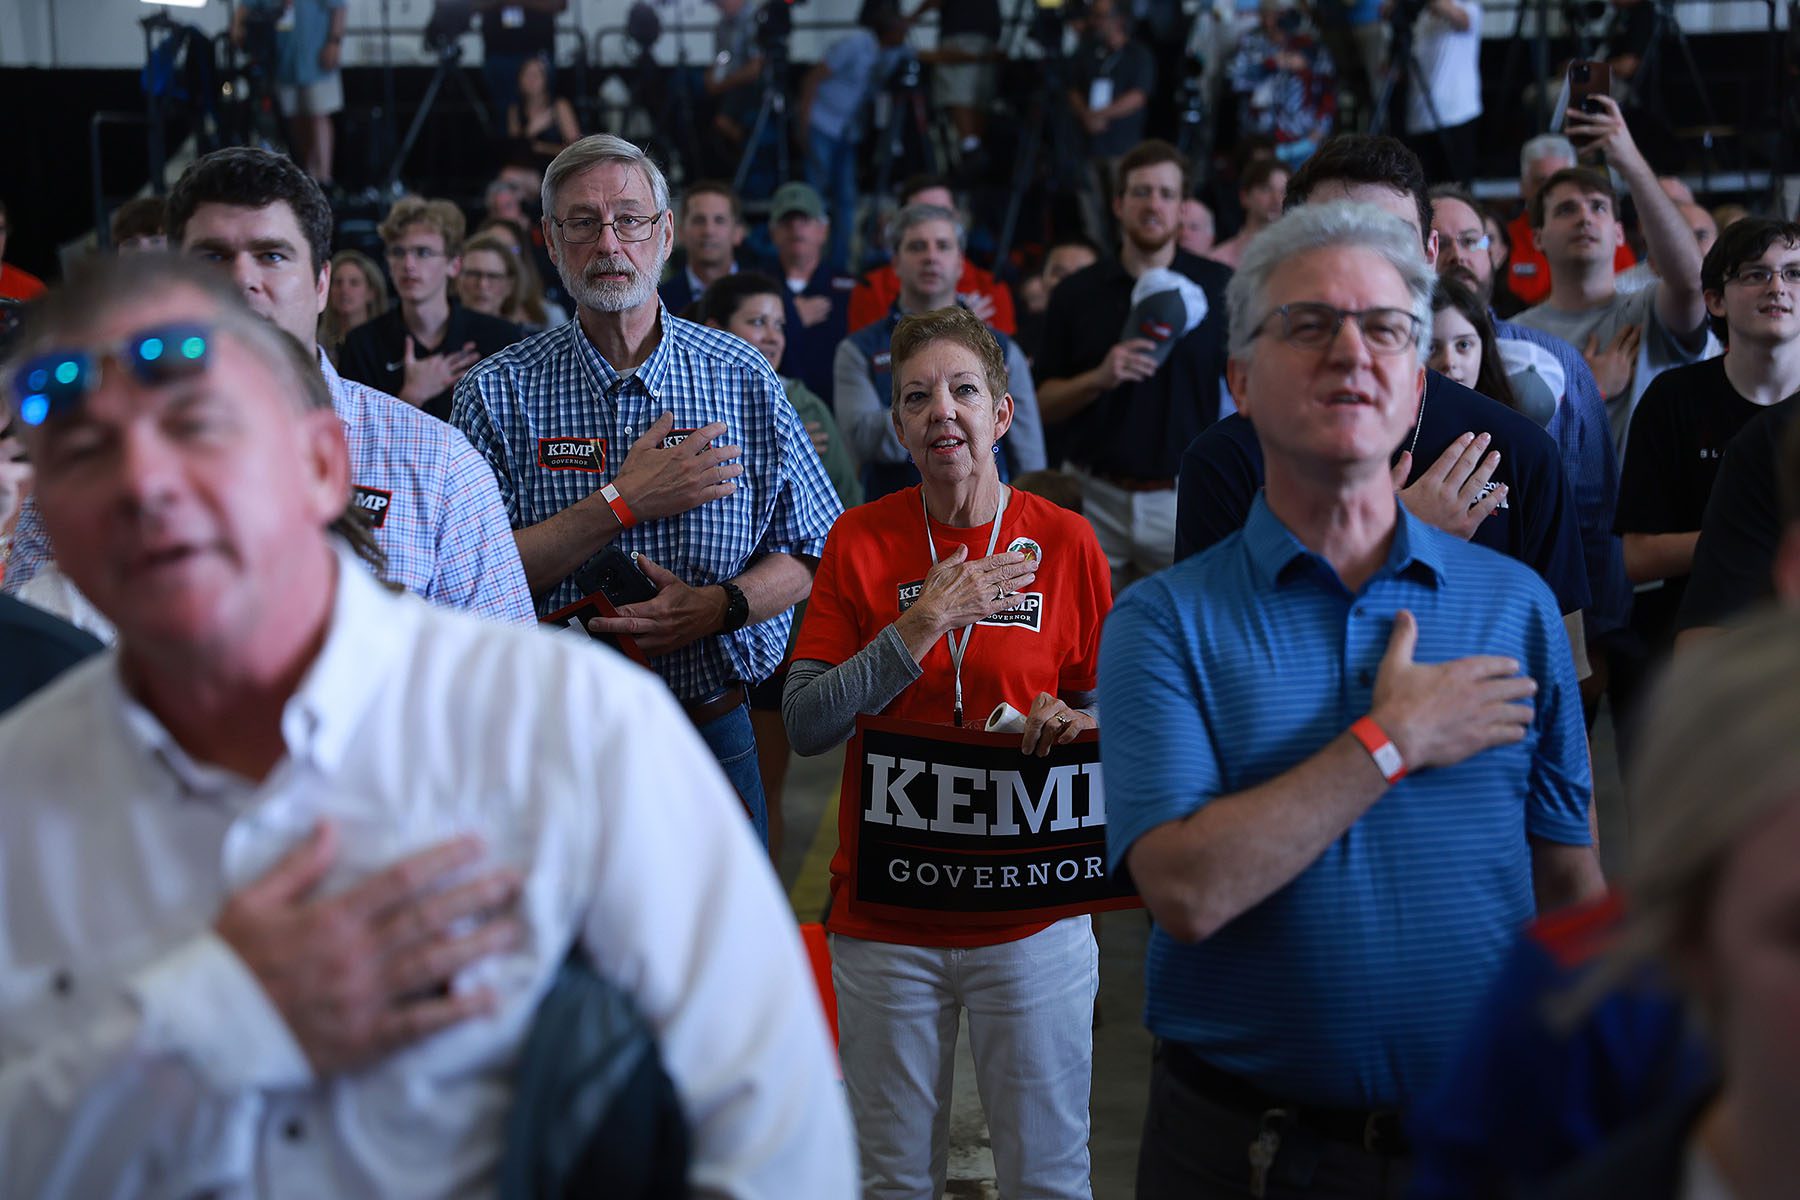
(1381,748)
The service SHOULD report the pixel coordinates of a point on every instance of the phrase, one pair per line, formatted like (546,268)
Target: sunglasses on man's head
(59,380)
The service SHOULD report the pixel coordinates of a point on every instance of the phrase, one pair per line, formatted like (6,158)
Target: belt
(1377,1131)
(1126,483)
(711,708)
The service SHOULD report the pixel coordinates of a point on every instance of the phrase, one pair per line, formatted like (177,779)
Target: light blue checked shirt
(431,498)
(556,387)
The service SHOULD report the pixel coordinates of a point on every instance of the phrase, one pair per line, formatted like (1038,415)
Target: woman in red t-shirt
(899,624)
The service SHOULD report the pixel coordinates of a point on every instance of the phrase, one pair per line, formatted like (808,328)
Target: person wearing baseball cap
(817,292)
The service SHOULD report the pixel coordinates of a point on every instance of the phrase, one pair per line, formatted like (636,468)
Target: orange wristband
(1381,748)
(620,509)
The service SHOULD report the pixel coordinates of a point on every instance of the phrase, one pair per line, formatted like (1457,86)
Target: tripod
(900,114)
(771,114)
(1403,66)
(449,66)
(1650,96)
(1044,110)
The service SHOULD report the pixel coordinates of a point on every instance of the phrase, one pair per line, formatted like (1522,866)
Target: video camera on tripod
(774,25)
(450,19)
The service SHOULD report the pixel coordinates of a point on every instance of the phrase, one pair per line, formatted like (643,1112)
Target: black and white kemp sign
(958,826)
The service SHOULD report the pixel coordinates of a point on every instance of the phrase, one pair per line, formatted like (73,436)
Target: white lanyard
(958,649)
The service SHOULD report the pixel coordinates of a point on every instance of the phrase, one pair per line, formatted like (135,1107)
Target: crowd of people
(322,863)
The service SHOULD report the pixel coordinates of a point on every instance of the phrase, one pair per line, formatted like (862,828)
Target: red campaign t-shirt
(878,550)
(876,292)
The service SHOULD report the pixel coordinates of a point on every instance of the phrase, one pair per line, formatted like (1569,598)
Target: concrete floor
(1121,1044)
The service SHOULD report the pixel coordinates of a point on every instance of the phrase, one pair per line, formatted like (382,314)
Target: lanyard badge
(958,649)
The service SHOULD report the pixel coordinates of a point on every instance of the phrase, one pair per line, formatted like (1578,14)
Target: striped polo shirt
(1350,985)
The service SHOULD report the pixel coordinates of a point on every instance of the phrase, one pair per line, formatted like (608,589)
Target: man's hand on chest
(660,480)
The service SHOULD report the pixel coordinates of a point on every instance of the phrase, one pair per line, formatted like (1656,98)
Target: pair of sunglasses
(59,380)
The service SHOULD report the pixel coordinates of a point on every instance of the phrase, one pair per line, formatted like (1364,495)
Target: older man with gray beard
(672,440)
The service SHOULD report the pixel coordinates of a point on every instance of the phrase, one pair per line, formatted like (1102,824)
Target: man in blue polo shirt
(1345,759)
(1473,466)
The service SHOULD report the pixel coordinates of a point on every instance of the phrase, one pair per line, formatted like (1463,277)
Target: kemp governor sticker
(572,454)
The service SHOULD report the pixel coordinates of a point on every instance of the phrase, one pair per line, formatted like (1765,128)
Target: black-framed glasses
(1756,277)
(632,227)
(1313,326)
(59,380)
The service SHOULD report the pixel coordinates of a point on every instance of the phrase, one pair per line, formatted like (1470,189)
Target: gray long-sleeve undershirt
(820,702)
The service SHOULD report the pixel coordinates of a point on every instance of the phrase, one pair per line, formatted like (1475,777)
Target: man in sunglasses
(629,426)
(428,496)
(289,869)
(1346,757)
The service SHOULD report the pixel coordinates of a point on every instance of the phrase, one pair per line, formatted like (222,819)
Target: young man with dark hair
(139,225)
(432,500)
(1627,339)
(977,289)
(711,230)
(418,349)
(1471,466)
(1127,409)
(1698,504)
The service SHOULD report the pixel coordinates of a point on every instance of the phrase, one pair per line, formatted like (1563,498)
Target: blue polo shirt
(1351,985)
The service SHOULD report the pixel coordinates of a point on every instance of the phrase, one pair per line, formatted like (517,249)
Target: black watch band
(737,609)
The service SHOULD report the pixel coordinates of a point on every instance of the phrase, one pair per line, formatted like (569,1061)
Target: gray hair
(1321,227)
(918,214)
(599,148)
(1545,145)
(1718,755)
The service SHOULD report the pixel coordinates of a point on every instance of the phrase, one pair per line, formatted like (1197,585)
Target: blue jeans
(733,743)
(831,169)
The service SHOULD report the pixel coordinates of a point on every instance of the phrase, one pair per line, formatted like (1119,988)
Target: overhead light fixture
(175,3)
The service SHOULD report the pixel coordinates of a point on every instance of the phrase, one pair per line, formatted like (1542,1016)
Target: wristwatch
(737,609)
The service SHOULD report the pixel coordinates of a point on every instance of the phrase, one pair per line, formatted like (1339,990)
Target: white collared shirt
(138,1055)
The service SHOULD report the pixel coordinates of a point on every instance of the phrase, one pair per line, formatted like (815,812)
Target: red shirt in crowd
(876,292)
(879,548)
(19,285)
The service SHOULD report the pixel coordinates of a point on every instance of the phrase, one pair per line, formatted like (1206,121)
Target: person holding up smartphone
(1626,339)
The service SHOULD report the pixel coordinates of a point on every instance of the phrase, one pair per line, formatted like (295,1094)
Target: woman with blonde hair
(1713,901)
(531,310)
(491,280)
(358,293)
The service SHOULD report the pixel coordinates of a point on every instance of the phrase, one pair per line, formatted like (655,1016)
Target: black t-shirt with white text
(1678,436)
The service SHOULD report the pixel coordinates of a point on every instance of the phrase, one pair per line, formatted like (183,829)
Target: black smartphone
(614,574)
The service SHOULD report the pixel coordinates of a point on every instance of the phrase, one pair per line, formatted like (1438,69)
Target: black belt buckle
(1384,1135)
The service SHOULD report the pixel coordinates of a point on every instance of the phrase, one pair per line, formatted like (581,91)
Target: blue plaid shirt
(557,387)
(431,498)
(1585,441)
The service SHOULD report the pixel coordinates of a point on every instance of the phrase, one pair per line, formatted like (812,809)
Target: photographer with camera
(309,42)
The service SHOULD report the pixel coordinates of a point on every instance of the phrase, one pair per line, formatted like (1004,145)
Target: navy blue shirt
(811,348)
(1222,472)
(1136,430)
(1350,985)
(36,647)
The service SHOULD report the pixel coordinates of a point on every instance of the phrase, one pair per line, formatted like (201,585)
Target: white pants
(1136,530)
(1031,1011)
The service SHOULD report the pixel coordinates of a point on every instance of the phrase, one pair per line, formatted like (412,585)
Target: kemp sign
(957,826)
